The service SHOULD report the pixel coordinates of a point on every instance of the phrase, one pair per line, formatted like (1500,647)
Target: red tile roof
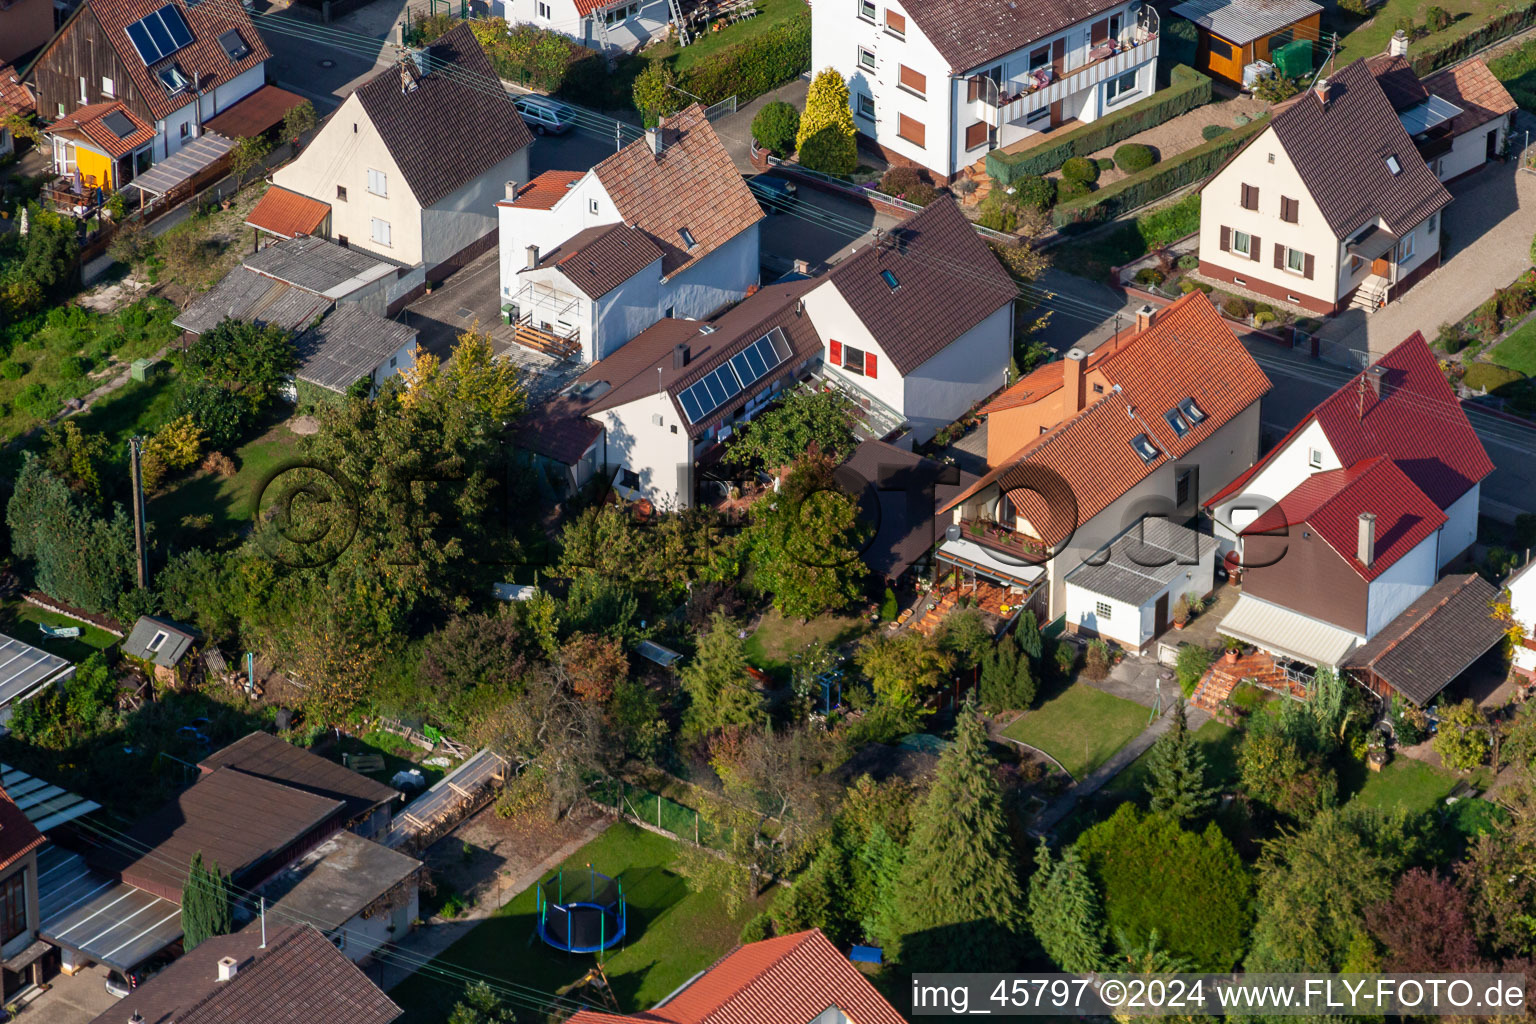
(89,122)
(692,185)
(1332,503)
(203,58)
(1043,380)
(785,980)
(1418,423)
(968,33)
(15,98)
(287,214)
(543,192)
(255,113)
(1473,88)
(18,836)
(1188,352)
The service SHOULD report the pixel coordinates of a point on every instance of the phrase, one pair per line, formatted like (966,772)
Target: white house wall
(1469,151)
(722,277)
(639,436)
(626,311)
(652,19)
(1124,625)
(364,935)
(1460,529)
(1394,590)
(1522,598)
(403,359)
(215,101)
(967,370)
(342,154)
(835,320)
(468,214)
(1284,472)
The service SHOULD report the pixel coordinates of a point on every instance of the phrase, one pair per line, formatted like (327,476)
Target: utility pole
(141,557)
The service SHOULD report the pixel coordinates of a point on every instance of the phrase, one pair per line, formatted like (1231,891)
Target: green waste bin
(1294,59)
(142,369)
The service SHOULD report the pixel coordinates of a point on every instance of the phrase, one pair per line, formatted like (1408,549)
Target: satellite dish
(952,531)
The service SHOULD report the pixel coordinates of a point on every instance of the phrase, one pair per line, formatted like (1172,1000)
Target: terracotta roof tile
(1341,152)
(203,58)
(599,259)
(1188,352)
(692,186)
(1332,502)
(946,281)
(1473,88)
(262,109)
(453,125)
(15,97)
(787,979)
(1043,380)
(1435,639)
(971,32)
(18,836)
(287,214)
(91,122)
(543,192)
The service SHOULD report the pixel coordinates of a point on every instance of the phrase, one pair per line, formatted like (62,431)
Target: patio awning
(255,113)
(188,162)
(1371,244)
(1287,633)
(992,564)
(25,669)
(45,805)
(105,920)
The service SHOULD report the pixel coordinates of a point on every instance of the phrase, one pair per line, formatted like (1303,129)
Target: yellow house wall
(93,164)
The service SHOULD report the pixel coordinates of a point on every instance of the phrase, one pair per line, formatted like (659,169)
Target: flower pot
(1229,658)
(1178,625)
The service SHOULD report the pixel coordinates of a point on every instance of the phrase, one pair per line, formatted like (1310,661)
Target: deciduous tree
(1425,926)
(1462,739)
(80,558)
(594,665)
(803,542)
(654,93)
(803,420)
(903,668)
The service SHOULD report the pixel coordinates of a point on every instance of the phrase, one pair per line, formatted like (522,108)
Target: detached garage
(1126,590)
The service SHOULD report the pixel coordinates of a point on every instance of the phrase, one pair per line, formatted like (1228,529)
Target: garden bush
(998,212)
(1190,665)
(1238,308)
(1451,339)
(1485,319)
(1187,90)
(1189,261)
(10,369)
(1437,19)
(774,128)
(1150,276)
(1188,285)
(1071,188)
(1263,319)
(1035,191)
(1080,168)
(1133,157)
(1490,377)
(898,179)
(1514,301)
(748,69)
(1105,164)
(1213,131)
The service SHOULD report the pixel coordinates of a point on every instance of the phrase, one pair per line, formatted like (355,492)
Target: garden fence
(661,813)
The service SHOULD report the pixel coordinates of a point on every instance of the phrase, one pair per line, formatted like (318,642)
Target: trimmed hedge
(747,70)
(1489,32)
(1133,157)
(1080,168)
(1136,191)
(1189,89)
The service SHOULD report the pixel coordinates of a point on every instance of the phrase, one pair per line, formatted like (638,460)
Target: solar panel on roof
(709,393)
(761,357)
(158,35)
(119,123)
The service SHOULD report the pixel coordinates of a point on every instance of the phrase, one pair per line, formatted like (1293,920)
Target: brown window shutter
(912,131)
(976,135)
(1253,248)
(1226,239)
(896,22)
(914,80)
(1279,256)
(1306,270)
(972,89)
(1288,210)
(1098,32)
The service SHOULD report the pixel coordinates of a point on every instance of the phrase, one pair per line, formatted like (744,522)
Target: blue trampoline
(582,914)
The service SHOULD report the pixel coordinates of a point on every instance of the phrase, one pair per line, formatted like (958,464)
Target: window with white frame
(83,97)
(158,641)
(1429,225)
(1295,260)
(866,106)
(108,87)
(378,182)
(866,58)
(544,11)
(380,231)
(867,10)
(1121,87)
(1102,610)
(1405,248)
(1315,458)
(1242,243)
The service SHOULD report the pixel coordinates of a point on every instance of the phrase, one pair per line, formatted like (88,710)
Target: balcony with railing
(997,537)
(873,419)
(76,195)
(1082,68)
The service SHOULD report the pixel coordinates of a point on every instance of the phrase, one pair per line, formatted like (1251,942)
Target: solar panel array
(741,371)
(158,35)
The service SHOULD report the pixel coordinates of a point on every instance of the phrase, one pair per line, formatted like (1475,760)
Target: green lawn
(673,933)
(20,620)
(1413,785)
(778,639)
(230,501)
(1518,351)
(1220,744)
(1081,727)
(770,14)
(1364,37)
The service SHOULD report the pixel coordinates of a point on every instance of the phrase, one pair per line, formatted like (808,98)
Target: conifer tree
(1177,784)
(1027,632)
(1065,911)
(827,140)
(959,903)
(1006,680)
(204,903)
(719,690)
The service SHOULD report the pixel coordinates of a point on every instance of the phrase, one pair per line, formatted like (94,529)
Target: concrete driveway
(1487,240)
(73,1000)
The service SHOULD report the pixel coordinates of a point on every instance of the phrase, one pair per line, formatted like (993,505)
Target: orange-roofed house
(1141,433)
(791,979)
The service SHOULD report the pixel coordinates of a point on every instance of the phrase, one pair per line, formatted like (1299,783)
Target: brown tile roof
(599,259)
(1473,88)
(454,125)
(559,430)
(544,191)
(1188,352)
(968,33)
(287,214)
(204,57)
(15,97)
(692,186)
(1043,380)
(263,755)
(90,123)
(1435,639)
(947,281)
(786,979)
(1341,153)
(247,825)
(255,113)
(1397,79)
(18,836)
(299,977)
(631,372)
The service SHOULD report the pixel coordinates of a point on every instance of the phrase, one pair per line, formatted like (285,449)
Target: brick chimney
(1365,540)
(533,256)
(1144,317)
(803,267)
(1321,91)
(511,191)
(1073,385)
(1398,47)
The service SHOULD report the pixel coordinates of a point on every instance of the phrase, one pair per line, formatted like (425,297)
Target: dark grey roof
(899,495)
(338,880)
(247,295)
(451,124)
(599,259)
(1243,21)
(319,265)
(1140,563)
(170,650)
(24,668)
(1435,639)
(348,345)
(267,757)
(111,922)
